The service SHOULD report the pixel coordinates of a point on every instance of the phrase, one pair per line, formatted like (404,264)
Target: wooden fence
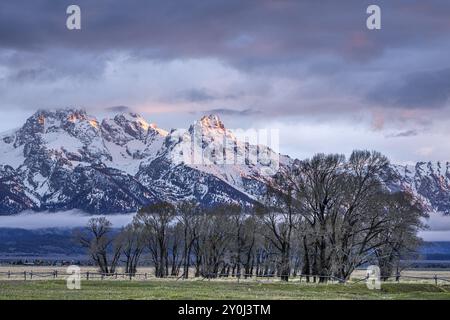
(90,275)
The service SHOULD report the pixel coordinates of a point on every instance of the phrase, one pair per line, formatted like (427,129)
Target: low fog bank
(438,224)
(432,236)
(66,219)
(438,228)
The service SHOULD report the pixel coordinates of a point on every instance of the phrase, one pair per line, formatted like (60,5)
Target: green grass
(169,289)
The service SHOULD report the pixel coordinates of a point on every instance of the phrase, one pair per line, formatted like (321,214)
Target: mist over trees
(320,218)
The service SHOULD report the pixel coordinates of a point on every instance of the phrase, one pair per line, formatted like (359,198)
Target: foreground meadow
(169,289)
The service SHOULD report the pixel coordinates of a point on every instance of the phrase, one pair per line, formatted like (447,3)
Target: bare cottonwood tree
(156,220)
(342,205)
(360,217)
(175,248)
(213,242)
(238,236)
(317,186)
(279,217)
(251,240)
(102,246)
(188,215)
(132,242)
(398,238)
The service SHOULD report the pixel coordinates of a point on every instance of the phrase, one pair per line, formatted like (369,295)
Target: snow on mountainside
(67,159)
(429,181)
(208,147)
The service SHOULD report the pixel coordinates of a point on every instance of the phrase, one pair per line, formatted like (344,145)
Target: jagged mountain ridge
(429,181)
(67,159)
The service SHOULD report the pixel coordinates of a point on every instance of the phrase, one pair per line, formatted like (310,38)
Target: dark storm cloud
(232,112)
(404,134)
(202,95)
(197,95)
(30,74)
(51,63)
(247,33)
(118,109)
(425,89)
(294,58)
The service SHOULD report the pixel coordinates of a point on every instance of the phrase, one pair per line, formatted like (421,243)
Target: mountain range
(67,159)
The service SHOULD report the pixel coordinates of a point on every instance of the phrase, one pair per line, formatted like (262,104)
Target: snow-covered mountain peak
(211,122)
(210,129)
(127,126)
(47,118)
(61,126)
(133,118)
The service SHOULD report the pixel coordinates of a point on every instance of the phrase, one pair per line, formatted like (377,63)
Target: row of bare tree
(325,216)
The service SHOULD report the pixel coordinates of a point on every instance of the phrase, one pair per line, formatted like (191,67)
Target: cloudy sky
(309,68)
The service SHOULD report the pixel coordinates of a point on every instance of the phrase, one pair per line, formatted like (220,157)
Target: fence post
(435,279)
(9,274)
(31,275)
(87,275)
(145,275)
(25,275)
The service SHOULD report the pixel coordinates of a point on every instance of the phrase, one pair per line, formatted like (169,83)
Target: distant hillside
(38,244)
(439,250)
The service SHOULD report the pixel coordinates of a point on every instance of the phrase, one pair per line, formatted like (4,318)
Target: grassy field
(224,288)
(170,289)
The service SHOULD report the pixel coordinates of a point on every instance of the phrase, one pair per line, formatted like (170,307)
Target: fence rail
(91,275)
